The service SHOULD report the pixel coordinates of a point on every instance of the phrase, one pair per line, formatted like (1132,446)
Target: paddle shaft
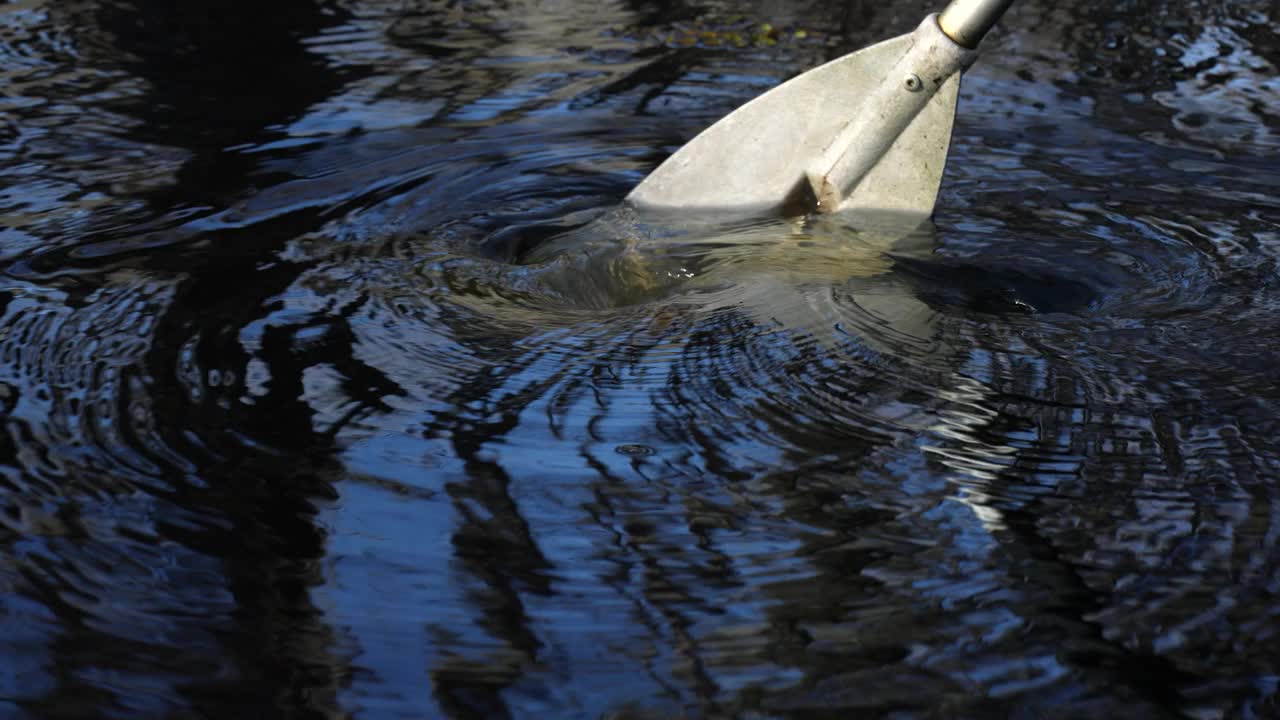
(967,21)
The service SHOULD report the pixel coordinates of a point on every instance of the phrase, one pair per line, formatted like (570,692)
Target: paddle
(868,130)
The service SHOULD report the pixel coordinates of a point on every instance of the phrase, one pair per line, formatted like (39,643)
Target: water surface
(336,381)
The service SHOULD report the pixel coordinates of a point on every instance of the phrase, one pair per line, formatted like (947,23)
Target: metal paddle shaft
(968,21)
(867,130)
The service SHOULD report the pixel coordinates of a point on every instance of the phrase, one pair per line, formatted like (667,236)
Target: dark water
(319,401)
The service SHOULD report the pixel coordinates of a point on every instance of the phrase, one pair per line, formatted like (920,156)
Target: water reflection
(350,389)
(158,559)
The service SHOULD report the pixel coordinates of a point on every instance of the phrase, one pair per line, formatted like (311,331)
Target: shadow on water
(336,381)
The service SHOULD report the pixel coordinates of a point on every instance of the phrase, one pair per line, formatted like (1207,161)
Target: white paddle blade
(908,176)
(756,158)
